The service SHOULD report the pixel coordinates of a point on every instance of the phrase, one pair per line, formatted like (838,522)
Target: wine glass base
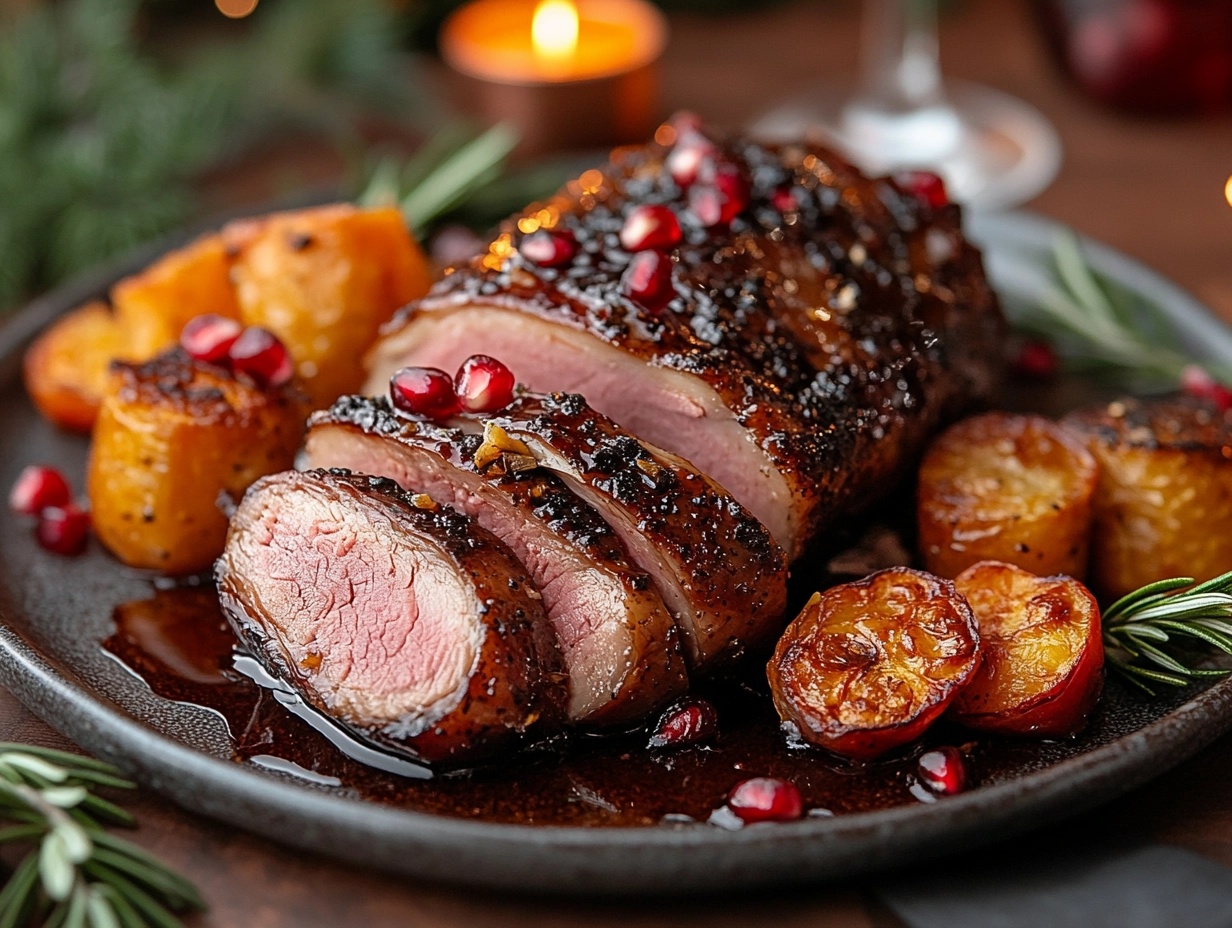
(1004,152)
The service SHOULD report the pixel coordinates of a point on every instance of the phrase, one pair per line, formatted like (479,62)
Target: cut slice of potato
(324,281)
(868,666)
(172,436)
(66,367)
(1043,655)
(1163,507)
(1009,488)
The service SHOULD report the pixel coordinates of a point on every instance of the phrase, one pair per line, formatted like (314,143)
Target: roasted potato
(324,280)
(172,435)
(66,367)
(1163,507)
(153,307)
(867,666)
(1043,654)
(1006,488)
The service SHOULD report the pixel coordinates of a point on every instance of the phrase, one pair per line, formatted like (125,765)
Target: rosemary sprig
(1142,629)
(1102,327)
(76,874)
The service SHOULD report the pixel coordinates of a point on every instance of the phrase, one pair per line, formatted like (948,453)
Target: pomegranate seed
(943,771)
(1197,382)
(648,280)
(483,384)
(784,200)
(63,529)
(38,487)
(259,354)
(423,391)
(650,226)
(721,198)
(765,799)
(688,721)
(548,249)
(210,337)
(1036,361)
(925,186)
(691,153)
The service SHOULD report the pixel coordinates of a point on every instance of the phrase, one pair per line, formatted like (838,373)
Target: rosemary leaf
(17,896)
(99,912)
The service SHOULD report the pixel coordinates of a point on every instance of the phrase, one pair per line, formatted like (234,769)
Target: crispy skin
(336,629)
(172,435)
(1164,499)
(820,347)
(1004,487)
(1043,655)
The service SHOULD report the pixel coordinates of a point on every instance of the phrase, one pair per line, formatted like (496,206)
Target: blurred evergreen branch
(100,142)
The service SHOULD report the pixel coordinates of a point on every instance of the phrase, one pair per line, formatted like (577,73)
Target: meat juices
(415,628)
(798,351)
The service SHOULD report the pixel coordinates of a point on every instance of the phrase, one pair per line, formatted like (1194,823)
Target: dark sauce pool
(179,643)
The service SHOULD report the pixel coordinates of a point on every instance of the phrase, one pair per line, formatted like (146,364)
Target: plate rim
(479,853)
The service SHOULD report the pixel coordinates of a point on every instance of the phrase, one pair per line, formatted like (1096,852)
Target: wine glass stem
(902,71)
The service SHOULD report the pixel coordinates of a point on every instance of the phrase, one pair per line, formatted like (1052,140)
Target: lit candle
(567,74)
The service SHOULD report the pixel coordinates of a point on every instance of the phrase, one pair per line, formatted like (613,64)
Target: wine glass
(993,150)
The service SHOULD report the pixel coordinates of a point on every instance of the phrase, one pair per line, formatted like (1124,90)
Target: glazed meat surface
(719,572)
(414,628)
(806,347)
(619,641)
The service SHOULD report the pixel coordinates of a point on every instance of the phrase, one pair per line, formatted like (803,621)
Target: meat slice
(809,338)
(620,644)
(414,628)
(719,572)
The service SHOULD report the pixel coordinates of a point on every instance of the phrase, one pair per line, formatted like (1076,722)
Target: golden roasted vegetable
(153,306)
(324,280)
(1042,670)
(172,435)
(1163,507)
(1009,488)
(868,666)
(66,367)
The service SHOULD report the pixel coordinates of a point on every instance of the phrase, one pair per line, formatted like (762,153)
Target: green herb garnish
(77,874)
(1141,630)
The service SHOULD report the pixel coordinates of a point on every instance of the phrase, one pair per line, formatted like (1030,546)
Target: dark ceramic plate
(56,612)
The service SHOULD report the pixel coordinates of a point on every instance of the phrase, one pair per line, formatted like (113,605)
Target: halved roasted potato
(324,280)
(1043,655)
(153,306)
(66,367)
(172,435)
(1163,507)
(1003,487)
(868,666)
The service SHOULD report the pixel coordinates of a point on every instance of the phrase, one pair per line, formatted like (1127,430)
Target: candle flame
(554,30)
(1227,190)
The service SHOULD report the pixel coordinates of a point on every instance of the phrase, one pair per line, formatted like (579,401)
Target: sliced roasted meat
(404,621)
(619,640)
(791,327)
(718,570)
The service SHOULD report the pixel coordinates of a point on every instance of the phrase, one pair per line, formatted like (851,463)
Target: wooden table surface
(1153,189)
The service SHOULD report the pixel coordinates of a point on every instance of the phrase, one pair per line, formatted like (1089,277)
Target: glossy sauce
(179,642)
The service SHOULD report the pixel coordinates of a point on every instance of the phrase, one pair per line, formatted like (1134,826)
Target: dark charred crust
(850,324)
(173,380)
(1167,423)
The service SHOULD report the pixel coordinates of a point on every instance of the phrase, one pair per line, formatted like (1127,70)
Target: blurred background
(123,120)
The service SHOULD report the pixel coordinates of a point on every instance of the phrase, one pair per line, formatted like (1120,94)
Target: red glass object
(1145,56)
